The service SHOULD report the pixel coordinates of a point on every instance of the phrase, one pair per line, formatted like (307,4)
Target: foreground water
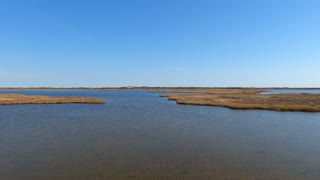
(139,135)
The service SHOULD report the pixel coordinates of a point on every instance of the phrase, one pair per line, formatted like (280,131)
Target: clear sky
(76,43)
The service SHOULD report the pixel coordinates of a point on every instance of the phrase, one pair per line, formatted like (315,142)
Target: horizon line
(149,87)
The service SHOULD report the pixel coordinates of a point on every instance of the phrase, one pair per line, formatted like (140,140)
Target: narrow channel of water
(292,91)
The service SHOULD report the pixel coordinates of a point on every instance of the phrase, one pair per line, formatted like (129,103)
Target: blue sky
(72,43)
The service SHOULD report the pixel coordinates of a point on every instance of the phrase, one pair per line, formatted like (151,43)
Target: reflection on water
(139,135)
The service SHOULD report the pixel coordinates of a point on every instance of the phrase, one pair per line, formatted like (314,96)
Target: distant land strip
(152,88)
(16,99)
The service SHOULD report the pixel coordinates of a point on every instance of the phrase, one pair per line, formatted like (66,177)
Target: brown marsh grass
(249,99)
(12,99)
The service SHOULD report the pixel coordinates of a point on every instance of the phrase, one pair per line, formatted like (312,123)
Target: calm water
(292,91)
(139,135)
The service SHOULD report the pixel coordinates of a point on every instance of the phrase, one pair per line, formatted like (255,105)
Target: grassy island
(234,98)
(246,98)
(12,99)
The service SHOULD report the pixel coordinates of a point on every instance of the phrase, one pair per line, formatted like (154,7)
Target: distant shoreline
(151,88)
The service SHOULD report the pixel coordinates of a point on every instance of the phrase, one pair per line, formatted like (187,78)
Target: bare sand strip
(248,99)
(14,99)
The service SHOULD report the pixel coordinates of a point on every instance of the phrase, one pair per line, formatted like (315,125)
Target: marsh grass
(14,99)
(250,99)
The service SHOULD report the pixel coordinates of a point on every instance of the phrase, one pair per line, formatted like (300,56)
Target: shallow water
(139,135)
(293,91)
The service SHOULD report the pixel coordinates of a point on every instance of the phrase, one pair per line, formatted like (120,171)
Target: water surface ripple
(139,135)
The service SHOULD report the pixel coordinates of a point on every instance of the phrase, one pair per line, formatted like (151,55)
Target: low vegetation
(234,98)
(248,99)
(12,99)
